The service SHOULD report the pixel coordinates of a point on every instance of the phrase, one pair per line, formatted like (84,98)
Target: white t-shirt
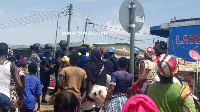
(5,77)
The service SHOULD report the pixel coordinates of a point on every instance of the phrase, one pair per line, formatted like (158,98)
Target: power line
(30,19)
(90,12)
(117,28)
(93,18)
(95,15)
(109,36)
(120,39)
(122,34)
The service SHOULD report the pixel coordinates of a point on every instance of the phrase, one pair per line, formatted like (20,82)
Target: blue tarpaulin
(184,39)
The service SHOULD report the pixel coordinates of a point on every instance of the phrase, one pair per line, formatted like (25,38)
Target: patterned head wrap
(150,52)
(167,65)
(150,49)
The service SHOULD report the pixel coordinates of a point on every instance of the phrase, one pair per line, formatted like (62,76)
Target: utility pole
(69,21)
(57,28)
(55,47)
(85,30)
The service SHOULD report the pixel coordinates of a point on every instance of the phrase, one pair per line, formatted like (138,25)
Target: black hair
(3,49)
(123,62)
(65,101)
(74,59)
(159,51)
(106,55)
(32,68)
(164,80)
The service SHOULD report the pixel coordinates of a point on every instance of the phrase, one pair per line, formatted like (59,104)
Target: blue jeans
(4,102)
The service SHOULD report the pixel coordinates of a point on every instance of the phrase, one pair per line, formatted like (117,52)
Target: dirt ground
(45,107)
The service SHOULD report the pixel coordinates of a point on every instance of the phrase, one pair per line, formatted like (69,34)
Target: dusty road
(45,107)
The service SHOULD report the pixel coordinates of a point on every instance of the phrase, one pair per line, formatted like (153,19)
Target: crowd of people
(90,79)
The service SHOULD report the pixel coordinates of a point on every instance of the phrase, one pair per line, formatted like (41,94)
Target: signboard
(184,39)
(124,15)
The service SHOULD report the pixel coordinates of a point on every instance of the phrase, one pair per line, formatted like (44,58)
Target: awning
(156,30)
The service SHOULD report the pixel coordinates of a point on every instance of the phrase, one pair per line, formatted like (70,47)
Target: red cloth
(135,88)
(140,103)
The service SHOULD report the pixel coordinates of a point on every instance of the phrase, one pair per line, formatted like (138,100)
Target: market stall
(188,75)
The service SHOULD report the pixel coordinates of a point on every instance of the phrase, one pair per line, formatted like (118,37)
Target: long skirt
(115,104)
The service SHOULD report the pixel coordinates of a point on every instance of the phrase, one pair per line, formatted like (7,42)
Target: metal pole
(132,36)
(85,29)
(69,21)
(197,84)
(55,47)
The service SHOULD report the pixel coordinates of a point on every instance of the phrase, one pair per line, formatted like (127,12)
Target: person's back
(123,80)
(5,78)
(73,79)
(166,96)
(107,63)
(82,61)
(8,70)
(117,91)
(32,90)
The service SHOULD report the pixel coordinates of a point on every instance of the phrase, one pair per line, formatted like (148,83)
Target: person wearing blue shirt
(32,90)
(108,64)
(117,92)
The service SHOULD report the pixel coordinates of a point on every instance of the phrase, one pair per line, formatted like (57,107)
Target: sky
(25,22)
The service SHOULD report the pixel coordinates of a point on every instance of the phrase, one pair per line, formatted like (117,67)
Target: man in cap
(35,58)
(46,69)
(112,51)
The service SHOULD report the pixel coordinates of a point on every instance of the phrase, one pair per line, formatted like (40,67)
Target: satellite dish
(194,55)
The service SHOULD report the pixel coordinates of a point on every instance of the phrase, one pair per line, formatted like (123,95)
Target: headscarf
(150,52)
(21,63)
(96,56)
(95,63)
(140,103)
(167,65)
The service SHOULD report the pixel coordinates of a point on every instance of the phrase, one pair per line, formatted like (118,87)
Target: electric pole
(69,21)
(85,30)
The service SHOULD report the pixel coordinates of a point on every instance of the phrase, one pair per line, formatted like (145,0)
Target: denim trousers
(4,102)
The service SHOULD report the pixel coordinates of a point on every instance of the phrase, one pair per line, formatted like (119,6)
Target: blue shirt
(109,66)
(82,61)
(32,88)
(121,82)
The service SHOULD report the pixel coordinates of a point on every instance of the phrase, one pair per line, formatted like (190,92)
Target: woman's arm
(142,78)
(17,79)
(187,99)
(88,90)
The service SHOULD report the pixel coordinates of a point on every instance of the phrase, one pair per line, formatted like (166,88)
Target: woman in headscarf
(148,65)
(169,96)
(140,103)
(95,82)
